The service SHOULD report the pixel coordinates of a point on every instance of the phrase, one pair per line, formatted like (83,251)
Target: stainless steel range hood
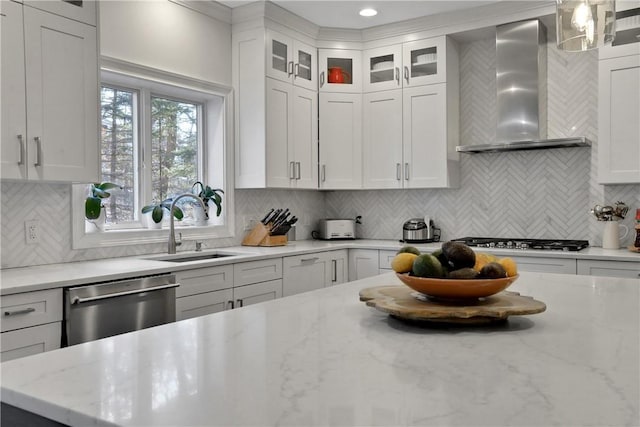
(521,82)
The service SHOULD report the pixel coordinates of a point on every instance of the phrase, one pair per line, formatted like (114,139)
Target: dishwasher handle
(78,300)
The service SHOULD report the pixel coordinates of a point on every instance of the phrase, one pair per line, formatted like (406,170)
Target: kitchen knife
(282,215)
(273,216)
(281,220)
(264,220)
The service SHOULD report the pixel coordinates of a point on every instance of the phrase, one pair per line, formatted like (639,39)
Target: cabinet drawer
(546,265)
(609,268)
(30,309)
(203,280)
(246,273)
(385,258)
(203,304)
(28,341)
(259,292)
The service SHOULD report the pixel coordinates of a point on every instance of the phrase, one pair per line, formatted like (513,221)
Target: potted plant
(157,212)
(93,207)
(207,194)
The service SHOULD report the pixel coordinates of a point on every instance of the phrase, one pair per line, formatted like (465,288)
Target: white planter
(96,225)
(149,222)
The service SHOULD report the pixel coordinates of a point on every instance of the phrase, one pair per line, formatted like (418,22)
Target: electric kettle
(420,230)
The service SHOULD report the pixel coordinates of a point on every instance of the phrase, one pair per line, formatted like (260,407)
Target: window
(158,137)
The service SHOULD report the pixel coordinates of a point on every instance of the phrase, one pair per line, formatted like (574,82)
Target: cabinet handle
(240,303)
(398,171)
(296,72)
(292,170)
(406,73)
(334,266)
(21,142)
(38,151)
(290,68)
(17,312)
(406,171)
(322,79)
(230,302)
(314,259)
(398,75)
(297,170)
(323,174)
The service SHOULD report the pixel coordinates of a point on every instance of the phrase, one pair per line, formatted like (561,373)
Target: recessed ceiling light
(368,12)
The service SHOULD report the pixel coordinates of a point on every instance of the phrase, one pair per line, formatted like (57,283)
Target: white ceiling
(344,14)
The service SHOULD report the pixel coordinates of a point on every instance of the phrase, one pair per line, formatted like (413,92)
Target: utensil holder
(259,236)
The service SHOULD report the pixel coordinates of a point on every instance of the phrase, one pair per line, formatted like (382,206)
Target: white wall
(167,36)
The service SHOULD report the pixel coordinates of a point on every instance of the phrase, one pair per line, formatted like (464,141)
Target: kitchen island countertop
(325,358)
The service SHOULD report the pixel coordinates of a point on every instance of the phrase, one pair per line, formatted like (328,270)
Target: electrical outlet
(32,231)
(248,223)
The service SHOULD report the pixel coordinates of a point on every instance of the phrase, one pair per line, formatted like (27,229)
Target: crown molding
(261,13)
(212,9)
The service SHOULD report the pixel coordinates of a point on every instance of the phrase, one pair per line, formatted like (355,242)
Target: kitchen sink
(194,256)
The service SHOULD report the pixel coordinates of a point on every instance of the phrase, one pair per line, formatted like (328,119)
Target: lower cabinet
(303,273)
(258,292)
(29,341)
(203,304)
(363,263)
(626,269)
(545,265)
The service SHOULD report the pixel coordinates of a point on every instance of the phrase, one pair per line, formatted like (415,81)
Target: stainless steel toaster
(329,229)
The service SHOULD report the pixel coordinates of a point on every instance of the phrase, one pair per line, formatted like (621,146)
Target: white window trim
(121,237)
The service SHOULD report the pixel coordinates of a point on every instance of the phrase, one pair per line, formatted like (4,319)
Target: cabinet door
(382,140)
(203,304)
(546,265)
(382,68)
(340,145)
(78,10)
(618,124)
(425,136)
(62,97)
(279,56)
(259,292)
(340,70)
(29,341)
(279,151)
(13,123)
(305,138)
(246,273)
(338,267)
(203,280)
(609,268)
(362,263)
(424,62)
(305,69)
(304,273)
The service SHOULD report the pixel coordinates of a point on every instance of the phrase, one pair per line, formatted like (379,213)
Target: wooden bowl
(456,288)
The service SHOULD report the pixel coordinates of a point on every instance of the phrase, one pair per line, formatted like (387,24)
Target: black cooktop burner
(504,243)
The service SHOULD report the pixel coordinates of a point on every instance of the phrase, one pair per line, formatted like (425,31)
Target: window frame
(217,108)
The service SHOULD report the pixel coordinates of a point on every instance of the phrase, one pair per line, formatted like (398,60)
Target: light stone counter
(26,279)
(324,358)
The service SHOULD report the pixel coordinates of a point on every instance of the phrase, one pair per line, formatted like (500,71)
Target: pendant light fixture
(585,24)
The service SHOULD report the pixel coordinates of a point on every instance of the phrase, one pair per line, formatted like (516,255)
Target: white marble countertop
(325,358)
(26,279)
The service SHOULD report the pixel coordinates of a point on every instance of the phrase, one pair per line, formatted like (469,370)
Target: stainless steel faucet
(172,233)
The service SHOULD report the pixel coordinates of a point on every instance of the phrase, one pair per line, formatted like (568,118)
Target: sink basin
(193,256)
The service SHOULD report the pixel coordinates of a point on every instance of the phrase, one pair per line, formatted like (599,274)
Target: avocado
(426,265)
(458,255)
(463,273)
(492,270)
(408,249)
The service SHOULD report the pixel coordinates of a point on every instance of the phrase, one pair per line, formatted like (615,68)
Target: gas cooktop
(504,243)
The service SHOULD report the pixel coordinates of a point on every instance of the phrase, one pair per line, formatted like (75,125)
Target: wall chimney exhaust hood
(521,82)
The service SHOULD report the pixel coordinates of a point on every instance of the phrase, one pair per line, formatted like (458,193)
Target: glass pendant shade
(585,24)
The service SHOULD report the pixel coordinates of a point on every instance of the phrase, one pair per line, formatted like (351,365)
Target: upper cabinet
(78,10)
(49,95)
(276,110)
(291,61)
(382,68)
(340,70)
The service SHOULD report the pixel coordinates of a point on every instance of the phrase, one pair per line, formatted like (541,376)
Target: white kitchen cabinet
(339,267)
(57,139)
(618,123)
(628,269)
(82,10)
(292,136)
(384,260)
(545,264)
(203,304)
(363,263)
(290,60)
(276,111)
(382,68)
(247,273)
(340,141)
(428,61)
(31,323)
(303,273)
(257,293)
(340,70)
(203,291)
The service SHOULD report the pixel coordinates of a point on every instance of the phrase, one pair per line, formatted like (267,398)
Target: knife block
(259,236)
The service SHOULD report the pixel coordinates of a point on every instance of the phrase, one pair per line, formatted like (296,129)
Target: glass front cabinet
(291,61)
(340,70)
(382,68)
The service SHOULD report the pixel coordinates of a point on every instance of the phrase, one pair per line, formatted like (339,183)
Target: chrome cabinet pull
(406,73)
(38,151)
(18,312)
(240,303)
(323,173)
(230,302)
(334,266)
(290,68)
(322,79)
(78,300)
(21,142)
(406,171)
(297,170)
(296,72)
(314,259)
(398,171)
(398,75)
(292,173)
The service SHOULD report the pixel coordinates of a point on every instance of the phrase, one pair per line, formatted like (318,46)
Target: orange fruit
(483,259)
(509,265)
(403,262)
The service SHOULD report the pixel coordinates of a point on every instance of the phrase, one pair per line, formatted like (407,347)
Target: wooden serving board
(404,303)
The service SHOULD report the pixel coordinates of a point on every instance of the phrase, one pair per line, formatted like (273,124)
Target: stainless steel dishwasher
(104,309)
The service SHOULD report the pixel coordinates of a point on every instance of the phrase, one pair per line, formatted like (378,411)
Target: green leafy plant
(207,193)
(99,191)
(157,210)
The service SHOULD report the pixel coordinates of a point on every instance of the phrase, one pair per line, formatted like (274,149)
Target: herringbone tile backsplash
(534,194)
